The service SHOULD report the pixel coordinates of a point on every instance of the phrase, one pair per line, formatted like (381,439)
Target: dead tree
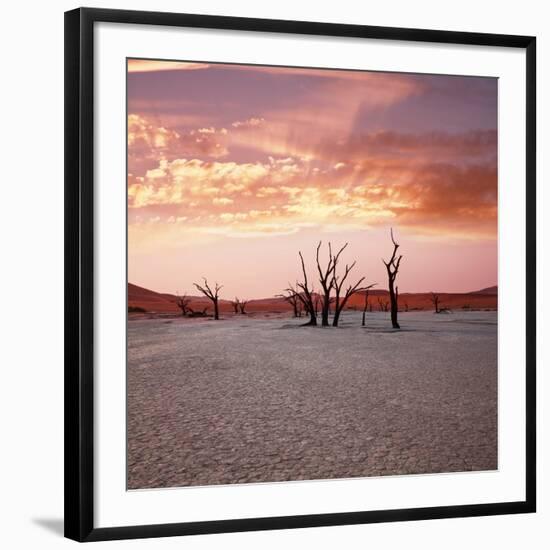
(211,295)
(383,304)
(235,305)
(242,306)
(326,279)
(365,306)
(306,296)
(317,303)
(435,301)
(290,296)
(202,313)
(341,299)
(392,267)
(406,305)
(306,305)
(183,303)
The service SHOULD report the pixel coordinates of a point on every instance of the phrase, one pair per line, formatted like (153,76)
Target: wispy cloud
(151,65)
(421,194)
(252,153)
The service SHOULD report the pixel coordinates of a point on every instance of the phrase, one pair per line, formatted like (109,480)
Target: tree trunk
(310,309)
(365,306)
(307,302)
(341,305)
(326,308)
(312,319)
(392,267)
(337,307)
(394,294)
(216,311)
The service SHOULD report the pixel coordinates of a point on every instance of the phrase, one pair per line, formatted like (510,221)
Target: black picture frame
(79,273)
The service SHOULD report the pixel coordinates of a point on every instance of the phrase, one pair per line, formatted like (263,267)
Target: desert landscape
(147,303)
(254,398)
(312,270)
(258,394)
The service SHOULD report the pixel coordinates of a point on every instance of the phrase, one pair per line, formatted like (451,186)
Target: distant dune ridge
(491,291)
(155,302)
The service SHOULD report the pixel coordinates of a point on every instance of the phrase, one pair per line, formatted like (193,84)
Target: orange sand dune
(149,300)
(154,302)
(422,300)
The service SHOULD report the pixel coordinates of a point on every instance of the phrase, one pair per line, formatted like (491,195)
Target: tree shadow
(54,525)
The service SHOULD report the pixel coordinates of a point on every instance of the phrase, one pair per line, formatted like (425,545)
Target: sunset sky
(232,169)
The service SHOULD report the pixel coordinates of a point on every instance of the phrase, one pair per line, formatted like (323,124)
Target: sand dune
(155,302)
(149,300)
(422,300)
(492,290)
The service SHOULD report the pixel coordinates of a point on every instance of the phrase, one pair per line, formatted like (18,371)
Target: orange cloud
(177,181)
(224,157)
(148,143)
(426,196)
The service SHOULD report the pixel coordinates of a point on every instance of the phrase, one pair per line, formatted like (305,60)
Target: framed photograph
(300,274)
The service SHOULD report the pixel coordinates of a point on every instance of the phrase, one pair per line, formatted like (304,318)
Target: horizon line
(317,292)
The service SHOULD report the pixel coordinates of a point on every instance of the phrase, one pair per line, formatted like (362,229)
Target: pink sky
(233,169)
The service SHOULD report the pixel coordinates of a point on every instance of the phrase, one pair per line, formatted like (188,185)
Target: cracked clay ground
(247,400)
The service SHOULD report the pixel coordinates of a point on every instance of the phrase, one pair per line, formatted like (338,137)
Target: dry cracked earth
(246,400)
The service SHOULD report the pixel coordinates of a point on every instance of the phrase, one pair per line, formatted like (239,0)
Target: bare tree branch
(183,303)
(211,294)
(326,277)
(307,298)
(291,296)
(235,305)
(392,268)
(342,299)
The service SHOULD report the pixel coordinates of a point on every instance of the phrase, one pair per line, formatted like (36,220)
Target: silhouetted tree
(242,306)
(306,296)
(183,303)
(365,306)
(291,296)
(435,301)
(341,299)
(211,295)
(317,303)
(392,267)
(326,279)
(306,305)
(383,304)
(235,305)
(201,313)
